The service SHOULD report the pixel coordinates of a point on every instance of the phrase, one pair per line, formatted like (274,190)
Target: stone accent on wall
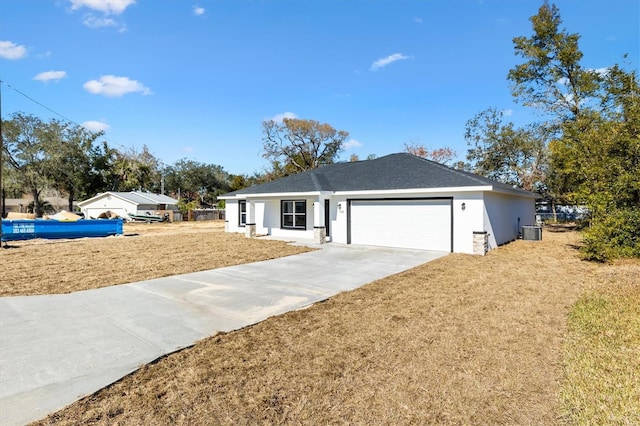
(480,243)
(250,230)
(319,234)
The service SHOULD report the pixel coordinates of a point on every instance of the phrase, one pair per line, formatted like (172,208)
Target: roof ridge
(398,171)
(468,175)
(314,179)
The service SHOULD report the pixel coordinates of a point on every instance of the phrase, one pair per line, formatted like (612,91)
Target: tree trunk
(71,197)
(37,209)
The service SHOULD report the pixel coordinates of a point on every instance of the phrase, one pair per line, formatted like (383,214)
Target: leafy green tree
(598,155)
(28,149)
(237,182)
(45,207)
(77,161)
(297,145)
(135,170)
(185,206)
(551,78)
(102,177)
(195,181)
(595,151)
(500,151)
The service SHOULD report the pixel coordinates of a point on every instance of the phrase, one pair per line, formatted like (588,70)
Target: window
(242,213)
(294,214)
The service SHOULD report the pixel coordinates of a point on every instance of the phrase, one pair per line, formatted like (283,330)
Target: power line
(53,111)
(39,103)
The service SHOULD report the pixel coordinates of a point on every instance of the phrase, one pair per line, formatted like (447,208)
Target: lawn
(602,350)
(145,251)
(528,334)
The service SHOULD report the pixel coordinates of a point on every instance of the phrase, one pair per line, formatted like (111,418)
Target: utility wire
(48,109)
(38,103)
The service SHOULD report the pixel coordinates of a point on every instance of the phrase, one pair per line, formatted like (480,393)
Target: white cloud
(114,86)
(9,50)
(108,7)
(95,126)
(50,76)
(280,117)
(602,72)
(198,10)
(388,60)
(93,22)
(417,20)
(507,112)
(352,144)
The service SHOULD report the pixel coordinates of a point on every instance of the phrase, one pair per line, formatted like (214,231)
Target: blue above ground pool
(28,229)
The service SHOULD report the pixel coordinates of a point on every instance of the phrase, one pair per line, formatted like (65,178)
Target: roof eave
(517,192)
(97,197)
(416,190)
(276,195)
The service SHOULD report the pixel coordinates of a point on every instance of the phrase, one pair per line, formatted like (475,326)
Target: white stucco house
(125,203)
(398,200)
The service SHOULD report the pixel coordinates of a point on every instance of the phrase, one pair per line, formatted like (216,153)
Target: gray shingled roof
(391,172)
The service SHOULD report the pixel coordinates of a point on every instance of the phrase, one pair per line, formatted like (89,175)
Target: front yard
(528,334)
(147,250)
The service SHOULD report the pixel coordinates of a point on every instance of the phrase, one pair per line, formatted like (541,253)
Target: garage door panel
(419,224)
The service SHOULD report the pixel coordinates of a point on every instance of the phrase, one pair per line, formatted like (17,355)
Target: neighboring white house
(399,200)
(125,203)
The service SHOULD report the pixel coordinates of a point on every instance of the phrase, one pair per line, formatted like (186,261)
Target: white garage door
(417,224)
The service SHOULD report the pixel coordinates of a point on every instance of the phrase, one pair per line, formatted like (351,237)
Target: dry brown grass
(145,251)
(461,340)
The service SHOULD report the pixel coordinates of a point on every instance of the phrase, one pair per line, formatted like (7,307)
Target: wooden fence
(205,214)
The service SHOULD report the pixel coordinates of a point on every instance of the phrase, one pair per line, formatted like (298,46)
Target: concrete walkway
(56,349)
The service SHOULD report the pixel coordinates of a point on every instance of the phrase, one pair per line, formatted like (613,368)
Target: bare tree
(297,145)
(442,155)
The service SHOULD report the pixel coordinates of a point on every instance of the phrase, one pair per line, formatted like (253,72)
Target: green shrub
(615,235)
(185,206)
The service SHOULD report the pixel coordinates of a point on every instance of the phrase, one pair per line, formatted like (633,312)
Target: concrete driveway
(56,349)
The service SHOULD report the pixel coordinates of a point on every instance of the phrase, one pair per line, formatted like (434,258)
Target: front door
(326,217)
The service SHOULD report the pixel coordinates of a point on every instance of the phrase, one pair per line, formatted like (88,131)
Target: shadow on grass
(560,227)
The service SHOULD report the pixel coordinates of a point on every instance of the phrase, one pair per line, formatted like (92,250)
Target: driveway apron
(55,349)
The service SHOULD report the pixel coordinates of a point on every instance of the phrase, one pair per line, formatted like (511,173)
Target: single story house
(399,200)
(125,203)
(20,205)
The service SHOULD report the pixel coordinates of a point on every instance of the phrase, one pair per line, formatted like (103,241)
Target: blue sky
(195,79)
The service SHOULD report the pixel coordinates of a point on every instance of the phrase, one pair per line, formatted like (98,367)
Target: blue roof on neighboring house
(391,172)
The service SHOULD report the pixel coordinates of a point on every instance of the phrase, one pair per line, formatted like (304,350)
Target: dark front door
(326,217)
